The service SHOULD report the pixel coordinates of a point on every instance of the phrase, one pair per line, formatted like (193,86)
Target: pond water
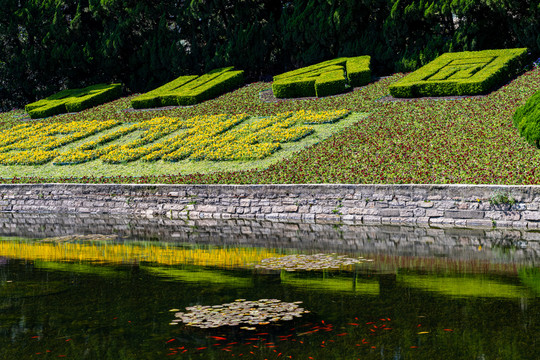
(113,288)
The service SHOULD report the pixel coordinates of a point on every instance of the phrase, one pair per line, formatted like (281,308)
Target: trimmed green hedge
(191,89)
(527,120)
(323,79)
(74,100)
(461,73)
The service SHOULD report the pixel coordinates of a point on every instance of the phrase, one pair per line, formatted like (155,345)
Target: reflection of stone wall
(492,245)
(435,205)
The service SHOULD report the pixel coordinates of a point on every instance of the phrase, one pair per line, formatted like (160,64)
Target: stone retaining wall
(431,205)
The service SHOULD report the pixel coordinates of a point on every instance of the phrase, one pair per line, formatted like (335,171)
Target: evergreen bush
(527,120)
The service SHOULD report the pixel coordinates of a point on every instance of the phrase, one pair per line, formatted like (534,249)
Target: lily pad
(240,312)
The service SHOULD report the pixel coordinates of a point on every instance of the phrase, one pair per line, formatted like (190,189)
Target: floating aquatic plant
(308,262)
(259,312)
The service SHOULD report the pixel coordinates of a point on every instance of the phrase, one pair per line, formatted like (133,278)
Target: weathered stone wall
(433,205)
(494,246)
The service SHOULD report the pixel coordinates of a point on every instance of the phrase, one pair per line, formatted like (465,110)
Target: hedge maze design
(323,79)
(73,100)
(191,89)
(462,73)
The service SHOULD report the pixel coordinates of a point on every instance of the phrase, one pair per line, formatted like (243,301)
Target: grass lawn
(465,140)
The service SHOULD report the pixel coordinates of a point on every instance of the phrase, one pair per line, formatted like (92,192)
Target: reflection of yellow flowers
(127,253)
(208,137)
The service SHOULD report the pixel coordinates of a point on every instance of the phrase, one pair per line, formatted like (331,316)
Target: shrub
(192,89)
(461,73)
(74,100)
(323,79)
(527,120)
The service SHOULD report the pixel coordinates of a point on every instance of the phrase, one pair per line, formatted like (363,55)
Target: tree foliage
(49,45)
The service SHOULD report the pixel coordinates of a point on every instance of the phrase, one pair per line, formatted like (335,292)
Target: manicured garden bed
(466,140)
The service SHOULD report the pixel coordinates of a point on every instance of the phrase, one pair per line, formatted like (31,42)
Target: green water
(85,310)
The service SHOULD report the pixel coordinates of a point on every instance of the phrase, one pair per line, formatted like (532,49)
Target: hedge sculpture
(191,89)
(323,79)
(461,73)
(73,100)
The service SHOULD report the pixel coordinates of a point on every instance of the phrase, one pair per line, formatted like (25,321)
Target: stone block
(434,213)
(205,208)
(419,212)
(290,208)
(519,224)
(503,215)
(463,206)
(349,218)
(389,212)
(480,223)
(327,218)
(406,213)
(425,204)
(370,219)
(464,214)
(245,202)
(531,215)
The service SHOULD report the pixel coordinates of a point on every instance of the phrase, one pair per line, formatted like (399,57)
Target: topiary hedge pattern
(191,89)
(527,120)
(74,100)
(323,79)
(461,73)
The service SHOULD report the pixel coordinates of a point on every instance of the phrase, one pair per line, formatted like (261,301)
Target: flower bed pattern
(213,137)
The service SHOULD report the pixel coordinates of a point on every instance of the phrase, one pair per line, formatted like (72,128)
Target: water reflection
(464,295)
(493,246)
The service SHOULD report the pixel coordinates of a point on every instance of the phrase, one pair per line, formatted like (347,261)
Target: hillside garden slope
(426,140)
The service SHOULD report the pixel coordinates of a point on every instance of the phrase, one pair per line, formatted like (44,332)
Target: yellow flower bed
(128,253)
(208,137)
(320,117)
(34,145)
(255,140)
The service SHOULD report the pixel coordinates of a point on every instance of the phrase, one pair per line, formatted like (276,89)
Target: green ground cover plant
(323,79)
(191,89)
(74,100)
(461,73)
(467,140)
